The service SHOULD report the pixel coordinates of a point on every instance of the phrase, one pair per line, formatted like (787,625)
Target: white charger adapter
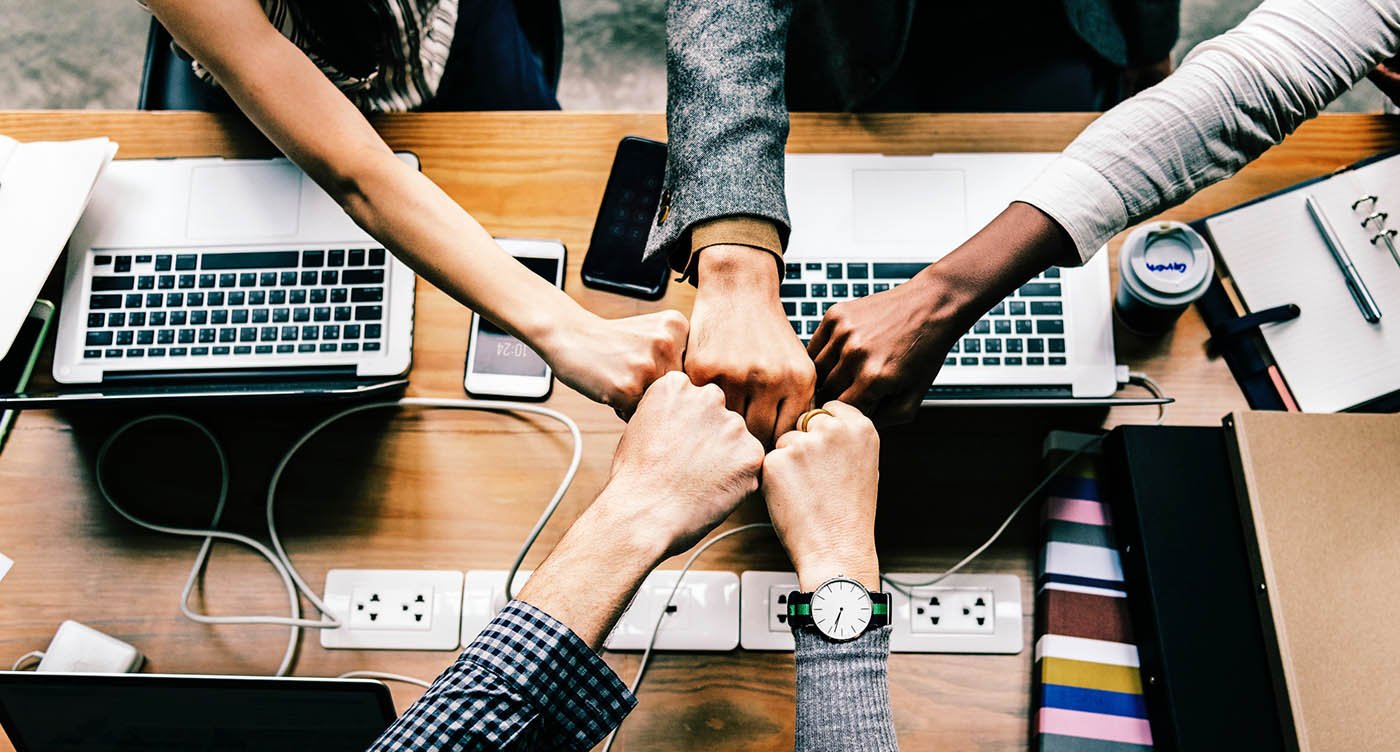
(80,649)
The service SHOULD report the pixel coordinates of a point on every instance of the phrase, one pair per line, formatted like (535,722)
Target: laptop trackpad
(244,202)
(923,207)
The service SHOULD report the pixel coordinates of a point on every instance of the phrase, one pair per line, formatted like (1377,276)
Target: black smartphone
(614,260)
(17,364)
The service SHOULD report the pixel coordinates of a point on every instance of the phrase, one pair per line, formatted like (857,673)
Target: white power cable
(283,568)
(1146,382)
(33,655)
(278,556)
(1141,379)
(656,628)
(386,677)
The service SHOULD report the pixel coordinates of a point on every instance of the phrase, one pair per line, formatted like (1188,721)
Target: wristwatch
(840,609)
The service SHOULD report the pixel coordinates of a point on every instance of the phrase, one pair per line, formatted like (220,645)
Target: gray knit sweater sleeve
(843,693)
(726,117)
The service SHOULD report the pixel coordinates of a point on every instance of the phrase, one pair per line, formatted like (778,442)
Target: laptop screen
(54,712)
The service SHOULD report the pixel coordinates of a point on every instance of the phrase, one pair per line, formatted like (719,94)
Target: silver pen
(1369,310)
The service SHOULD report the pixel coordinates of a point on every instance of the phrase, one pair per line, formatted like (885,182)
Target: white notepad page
(43,189)
(1331,358)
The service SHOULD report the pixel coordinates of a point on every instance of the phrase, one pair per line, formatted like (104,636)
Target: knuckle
(673,380)
(712,393)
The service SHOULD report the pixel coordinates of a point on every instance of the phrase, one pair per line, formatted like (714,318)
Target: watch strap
(799,610)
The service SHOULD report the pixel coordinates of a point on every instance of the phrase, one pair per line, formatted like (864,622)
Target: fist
(613,361)
(740,340)
(684,462)
(821,486)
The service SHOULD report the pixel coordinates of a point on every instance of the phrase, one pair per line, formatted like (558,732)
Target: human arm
(880,353)
(723,218)
(288,98)
(532,678)
(820,486)
(1232,99)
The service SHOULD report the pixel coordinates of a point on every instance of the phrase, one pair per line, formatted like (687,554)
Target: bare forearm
(1020,243)
(425,228)
(591,576)
(312,122)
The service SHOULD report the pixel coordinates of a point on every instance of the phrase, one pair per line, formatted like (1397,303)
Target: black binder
(1205,672)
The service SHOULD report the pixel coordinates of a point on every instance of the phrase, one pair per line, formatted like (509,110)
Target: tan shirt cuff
(754,232)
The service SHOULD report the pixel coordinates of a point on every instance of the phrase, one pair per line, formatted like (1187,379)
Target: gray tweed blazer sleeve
(726,117)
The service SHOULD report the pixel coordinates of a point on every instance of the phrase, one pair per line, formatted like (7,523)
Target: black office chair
(167,83)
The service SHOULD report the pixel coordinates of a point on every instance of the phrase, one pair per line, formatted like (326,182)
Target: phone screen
(499,353)
(17,363)
(619,240)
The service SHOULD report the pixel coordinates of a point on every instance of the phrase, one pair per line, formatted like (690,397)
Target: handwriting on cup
(1175,266)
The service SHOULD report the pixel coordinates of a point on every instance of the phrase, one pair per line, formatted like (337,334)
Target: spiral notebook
(1330,357)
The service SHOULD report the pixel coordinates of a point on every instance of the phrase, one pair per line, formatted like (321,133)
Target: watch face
(841,609)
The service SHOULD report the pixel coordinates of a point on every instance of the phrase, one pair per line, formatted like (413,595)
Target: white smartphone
(498,364)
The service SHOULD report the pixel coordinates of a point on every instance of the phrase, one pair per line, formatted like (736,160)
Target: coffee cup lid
(1167,262)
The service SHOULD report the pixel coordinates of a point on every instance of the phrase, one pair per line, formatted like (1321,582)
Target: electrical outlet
(483,596)
(763,610)
(703,614)
(944,610)
(963,613)
(915,629)
(393,609)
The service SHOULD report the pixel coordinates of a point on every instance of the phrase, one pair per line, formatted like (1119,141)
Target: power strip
(704,613)
(712,611)
(963,613)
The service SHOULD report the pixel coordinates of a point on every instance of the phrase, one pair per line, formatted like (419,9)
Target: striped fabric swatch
(1088,693)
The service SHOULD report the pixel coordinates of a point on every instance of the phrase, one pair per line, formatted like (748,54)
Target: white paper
(43,189)
(1331,358)
(5,564)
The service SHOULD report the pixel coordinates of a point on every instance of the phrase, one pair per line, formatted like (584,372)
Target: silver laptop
(863,223)
(214,276)
(53,712)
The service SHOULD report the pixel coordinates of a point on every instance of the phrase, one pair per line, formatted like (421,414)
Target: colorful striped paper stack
(1088,693)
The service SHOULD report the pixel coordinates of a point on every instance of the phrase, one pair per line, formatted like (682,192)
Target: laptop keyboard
(227,304)
(1025,329)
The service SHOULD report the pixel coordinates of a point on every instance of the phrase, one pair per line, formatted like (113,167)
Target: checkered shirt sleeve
(526,682)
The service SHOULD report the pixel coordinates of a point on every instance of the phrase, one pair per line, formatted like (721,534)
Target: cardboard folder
(1320,501)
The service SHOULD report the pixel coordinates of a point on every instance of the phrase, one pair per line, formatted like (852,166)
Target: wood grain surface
(410,488)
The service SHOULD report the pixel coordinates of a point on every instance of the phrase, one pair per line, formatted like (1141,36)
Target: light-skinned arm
(821,486)
(532,679)
(288,98)
(684,463)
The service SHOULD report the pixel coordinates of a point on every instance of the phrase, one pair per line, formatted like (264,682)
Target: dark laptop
(52,712)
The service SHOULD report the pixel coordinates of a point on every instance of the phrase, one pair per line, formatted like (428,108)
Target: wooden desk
(448,490)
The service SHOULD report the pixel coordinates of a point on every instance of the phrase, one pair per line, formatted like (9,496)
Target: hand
(741,341)
(880,353)
(684,463)
(1386,77)
(613,361)
(821,486)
